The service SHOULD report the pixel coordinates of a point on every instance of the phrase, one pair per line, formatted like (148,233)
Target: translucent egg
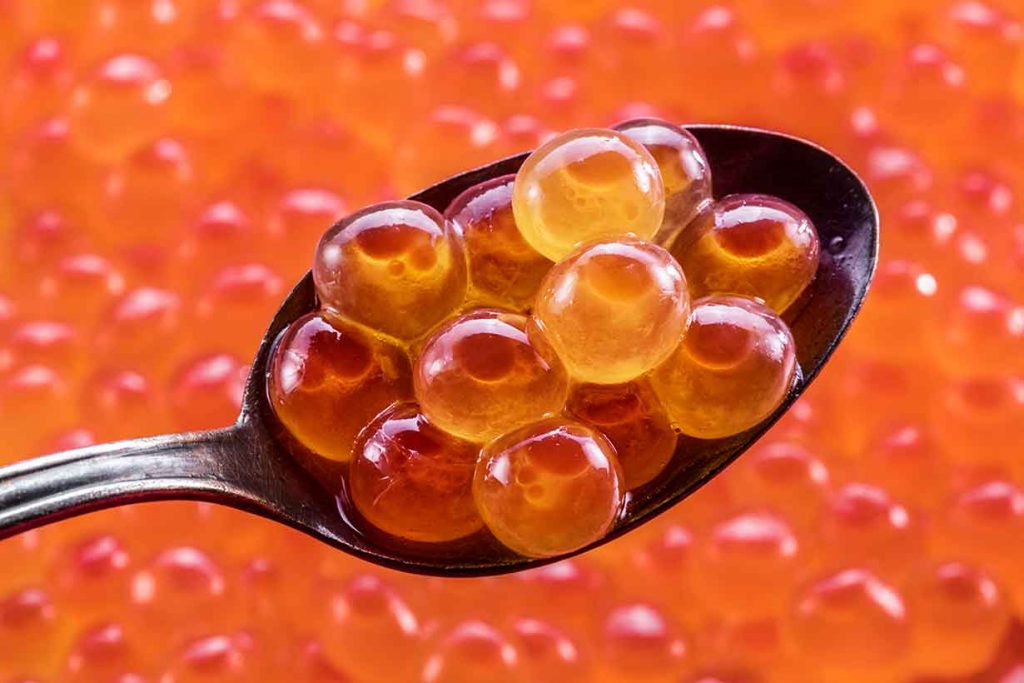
(906,460)
(29,395)
(221,233)
(92,575)
(43,238)
(178,584)
(565,591)
(119,108)
(547,654)
(329,380)
(981,523)
(734,367)
(137,322)
(976,420)
(38,82)
(120,404)
(146,197)
(747,566)
(786,477)
(299,221)
(584,185)
(277,46)
(851,626)
(397,267)
(31,629)
(640,643)
(206,391)
(220,658)
(473,651)
(459,137)
(549,488)
(234,307)
(750,245)
(684,167)
(55,344)
(101,654)
(613,310)
(81,286)
(899,289)
(414,481)
(369,630)
(503,269)
(863,525)
(42,159)
(481,375)
(979,332)
(633,420)
(961,615)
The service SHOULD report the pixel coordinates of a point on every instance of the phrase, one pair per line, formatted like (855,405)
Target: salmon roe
(613,310)
(413,480)
(549,488)
(750,245)
(166,167)
(325,370)
(732,369)
(396,267)
(503,269)
(585,185)
(482,375)
(684,168)
(608,340)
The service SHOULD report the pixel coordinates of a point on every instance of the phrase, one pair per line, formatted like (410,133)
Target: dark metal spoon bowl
(248,465)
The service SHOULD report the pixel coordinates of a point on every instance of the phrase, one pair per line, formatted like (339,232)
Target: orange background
(167,165)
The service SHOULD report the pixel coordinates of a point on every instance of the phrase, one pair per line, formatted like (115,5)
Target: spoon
(247,466)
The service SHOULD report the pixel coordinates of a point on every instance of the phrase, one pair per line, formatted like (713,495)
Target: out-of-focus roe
(166,167)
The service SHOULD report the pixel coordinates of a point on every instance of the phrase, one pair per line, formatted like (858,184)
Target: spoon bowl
(249,465)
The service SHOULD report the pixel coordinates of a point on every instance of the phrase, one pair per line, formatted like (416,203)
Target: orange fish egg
(585,185)
(851,625)
(747,566)
(358,617)
(865,526)
(482,375)
(613,310)
(412,480)
(119,108)
(549,488)
(106,652)
(547,654)
(639,642)
(733,368)
(473,649)
(32,629)
(278,46)
(633,420)
(685,172)
(397,267)
(503,269)
(961,615)
(750,245)
(786,477)
(981,332)
(324,370)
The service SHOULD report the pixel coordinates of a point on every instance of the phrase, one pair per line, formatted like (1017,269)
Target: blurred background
(166,167)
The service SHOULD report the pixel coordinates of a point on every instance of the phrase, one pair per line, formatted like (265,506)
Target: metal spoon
(247,466)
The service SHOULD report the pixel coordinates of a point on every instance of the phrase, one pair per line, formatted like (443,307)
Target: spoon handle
(175,466)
